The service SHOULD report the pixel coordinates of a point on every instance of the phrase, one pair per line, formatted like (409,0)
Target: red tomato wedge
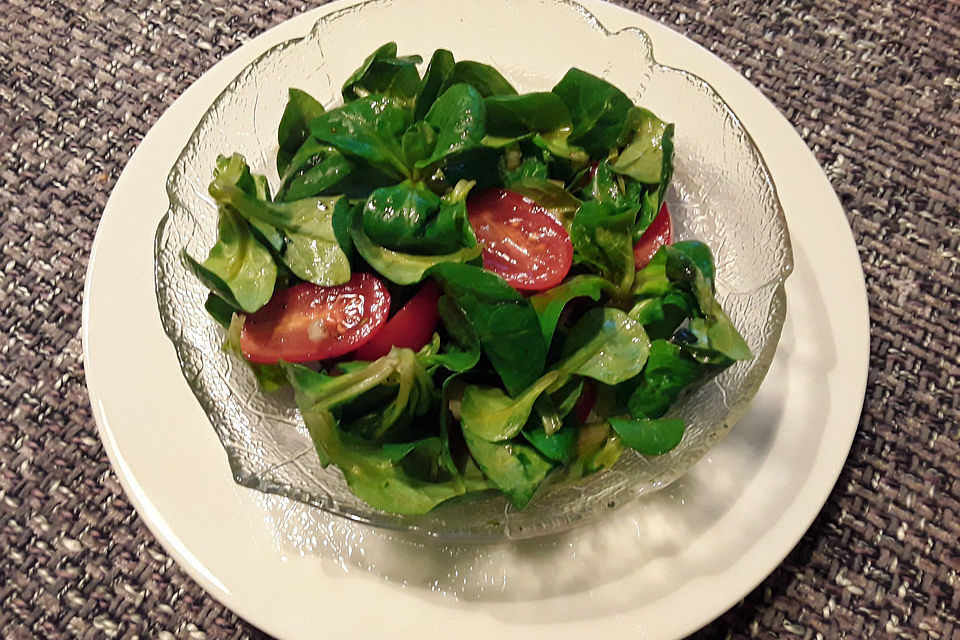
(521,241)
(659,233)
(308,322)
(411,327)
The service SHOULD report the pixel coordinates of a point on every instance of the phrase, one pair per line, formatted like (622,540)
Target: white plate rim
(754,112)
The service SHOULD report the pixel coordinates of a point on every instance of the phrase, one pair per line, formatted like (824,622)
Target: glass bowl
(722,193)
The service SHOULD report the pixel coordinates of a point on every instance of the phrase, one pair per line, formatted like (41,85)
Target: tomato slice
(411,327)
(308,322)
(521,241)
(659,233)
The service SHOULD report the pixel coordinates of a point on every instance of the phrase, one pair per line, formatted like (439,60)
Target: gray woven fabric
(874,89)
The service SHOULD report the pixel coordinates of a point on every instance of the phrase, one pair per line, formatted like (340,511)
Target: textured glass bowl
(722,193)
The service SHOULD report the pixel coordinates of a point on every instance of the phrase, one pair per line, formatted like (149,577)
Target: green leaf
(718,340)
(606,345)
(480,165)
(514,468)
(418,142)
(382,396)
(529,168)
(598,447)
(505,322)
(549,195)
(381,474)
(463,348)
(712,337)
(311,251)
(558,446)
(440,67)
(482,77)
(550,303)
(563,400)
(458,116)
(294,125)
(239,268)
(602,237)
(219,309)
(597,108)
(652,280)
(397,216)
(450,386)
(382,72)
(234,170)
(606,187)
(314,170)
(667,373)
(489,413)
(700,255)
(558,144)
(663,315)
(374,475)
(644,158)
(368,128)
(401,268)
(649,437)
(517,115)
(410,217)
(341,221)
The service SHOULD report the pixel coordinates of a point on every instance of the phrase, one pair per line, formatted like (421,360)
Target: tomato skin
(659,233)
(308,322)
(411,327)
(521,241)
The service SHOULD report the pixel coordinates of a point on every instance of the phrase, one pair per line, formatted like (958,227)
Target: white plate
(658,568)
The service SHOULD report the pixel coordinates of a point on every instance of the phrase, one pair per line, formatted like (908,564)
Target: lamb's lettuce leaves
(606,345)
(311,250)
(602,236)
(648,156)
(489,413)
(369,129)
(459,118)
(651,437)
(401,268)
(505,322)
(525,168)
(667,373)
(294,129)
(515,468)
(557,446)
(238,268)
(405,217)
(687,268)
(315,169)
(559,202)
(373,471)
(482,77)
(462,351)
(549,304)
(597,109)
(382,72)
(511,116)
(440,67)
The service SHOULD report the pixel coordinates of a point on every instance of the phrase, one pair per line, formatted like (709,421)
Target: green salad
(468,289)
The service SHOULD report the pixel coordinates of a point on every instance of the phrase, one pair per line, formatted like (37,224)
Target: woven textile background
(873,88)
